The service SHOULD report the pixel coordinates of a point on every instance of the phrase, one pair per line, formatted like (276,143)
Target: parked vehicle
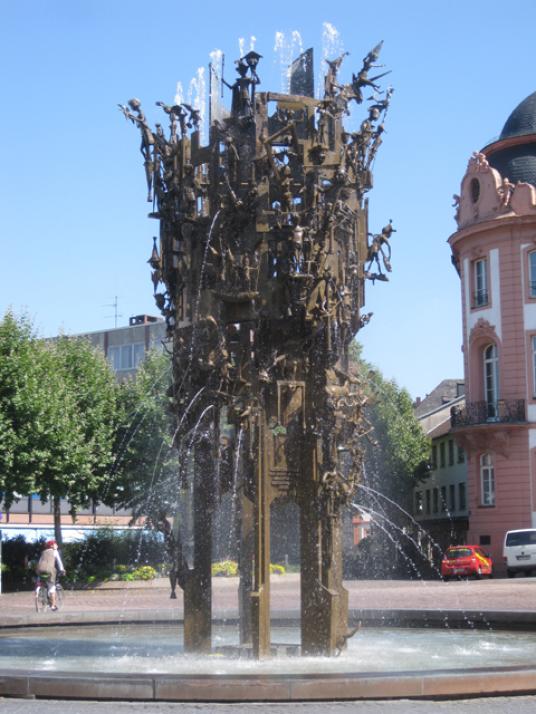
(520,551)
(463,561)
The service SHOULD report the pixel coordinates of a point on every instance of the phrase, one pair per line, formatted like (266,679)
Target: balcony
(504,411)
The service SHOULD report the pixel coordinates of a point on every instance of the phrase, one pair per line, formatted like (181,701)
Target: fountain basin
(141,661)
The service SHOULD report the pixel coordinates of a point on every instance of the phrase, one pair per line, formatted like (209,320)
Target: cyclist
(47,569)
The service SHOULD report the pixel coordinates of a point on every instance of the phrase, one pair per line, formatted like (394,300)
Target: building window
(461,455)
(485,540)
(125,357)
(532,274)
(138,354)
(114,358)
(480,282)
(443,499)
(491,380)
(418,503)
(434,456)
(533,343)
(435,500)
(428,502)
(487,480)
(442,454)
(474,188)
(451,452)
(462,504)
(452,497)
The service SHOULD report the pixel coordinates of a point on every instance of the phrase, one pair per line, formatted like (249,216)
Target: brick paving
(112,600)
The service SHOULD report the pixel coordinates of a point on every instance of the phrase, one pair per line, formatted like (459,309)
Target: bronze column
(198,587)
(245,565)
(260,596)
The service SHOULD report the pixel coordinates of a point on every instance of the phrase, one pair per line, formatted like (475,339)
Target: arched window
(491,380)
(474,188)
(487,480)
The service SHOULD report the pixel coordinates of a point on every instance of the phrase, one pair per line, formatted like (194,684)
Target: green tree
(147,475)
(57,414)
(402,449)
(396,460)
(81,419)
(398,450)
(22,401)
(146,472)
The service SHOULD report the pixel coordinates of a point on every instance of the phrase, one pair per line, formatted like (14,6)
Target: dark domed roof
(518,163)
(522,120)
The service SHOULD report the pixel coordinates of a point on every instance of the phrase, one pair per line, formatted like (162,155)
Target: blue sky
(74,224)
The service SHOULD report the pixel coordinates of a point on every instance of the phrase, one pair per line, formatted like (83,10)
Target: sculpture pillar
(260,596)
(260,271)
(245,566)
(198,587)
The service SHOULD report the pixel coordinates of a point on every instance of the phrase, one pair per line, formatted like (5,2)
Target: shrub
(276,569)
(225,568)
(106,547)
(18,561)
(94,559)
(229,568)
(145,572)
(105,551)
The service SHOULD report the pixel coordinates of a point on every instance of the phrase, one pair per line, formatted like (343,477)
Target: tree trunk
(56,501)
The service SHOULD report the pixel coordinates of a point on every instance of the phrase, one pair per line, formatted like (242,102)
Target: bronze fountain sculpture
(259,271)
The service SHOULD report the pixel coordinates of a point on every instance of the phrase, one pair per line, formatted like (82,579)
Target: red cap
(50,543)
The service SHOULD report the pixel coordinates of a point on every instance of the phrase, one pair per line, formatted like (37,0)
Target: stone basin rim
(416,684)
(266,687)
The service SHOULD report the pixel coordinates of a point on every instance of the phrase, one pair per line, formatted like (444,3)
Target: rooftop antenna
(116,314)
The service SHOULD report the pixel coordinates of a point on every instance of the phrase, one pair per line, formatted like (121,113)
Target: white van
(520,551)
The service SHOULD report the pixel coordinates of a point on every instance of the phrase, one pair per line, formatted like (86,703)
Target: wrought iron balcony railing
(503,411)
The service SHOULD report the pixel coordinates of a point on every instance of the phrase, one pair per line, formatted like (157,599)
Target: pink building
(494,251)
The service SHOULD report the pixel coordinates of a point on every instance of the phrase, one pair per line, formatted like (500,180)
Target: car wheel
(446,578)
(510,573)
(478,573)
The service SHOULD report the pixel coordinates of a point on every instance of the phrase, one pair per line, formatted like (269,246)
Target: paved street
(518,594)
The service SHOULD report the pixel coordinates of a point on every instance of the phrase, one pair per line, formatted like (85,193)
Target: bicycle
(42,600)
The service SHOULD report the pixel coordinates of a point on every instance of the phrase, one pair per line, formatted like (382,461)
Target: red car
(461,561)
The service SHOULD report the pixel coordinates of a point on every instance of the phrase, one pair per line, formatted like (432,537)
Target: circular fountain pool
(145,648)
(146,662)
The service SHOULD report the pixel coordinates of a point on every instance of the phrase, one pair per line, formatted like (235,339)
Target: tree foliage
(22,403)
(82,421)
(396,459)
(398,450)
(57,411)
(402,445)
(146,471)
